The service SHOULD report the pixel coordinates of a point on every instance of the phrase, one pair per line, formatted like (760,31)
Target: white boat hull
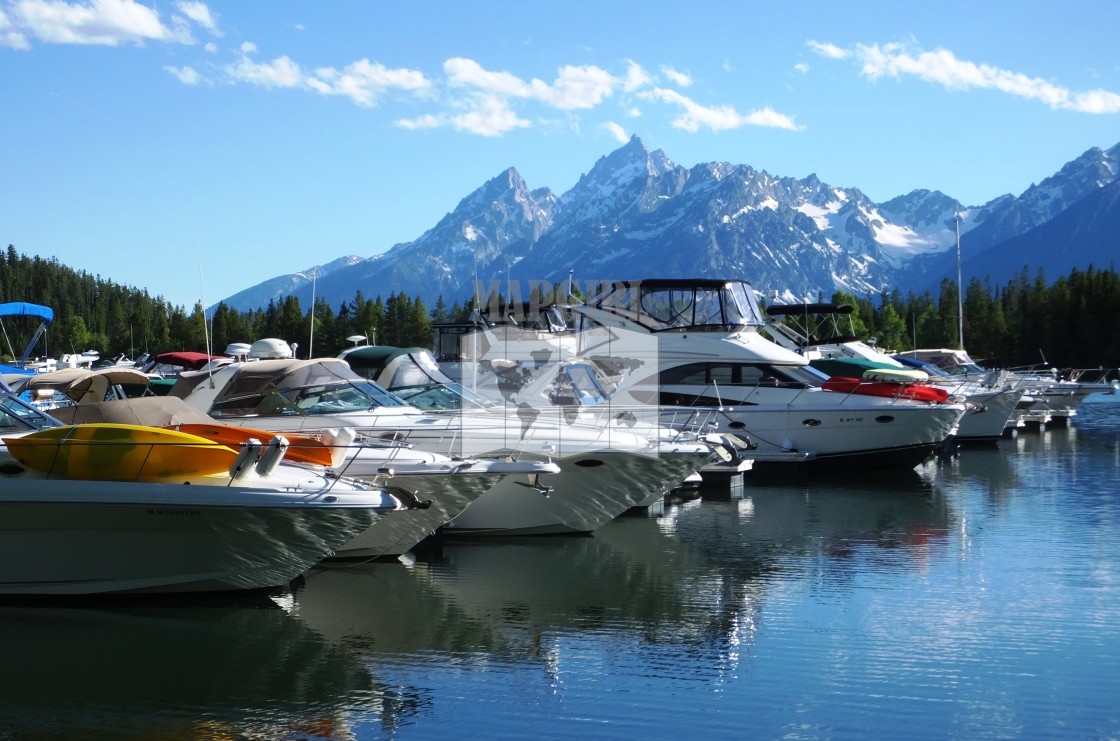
(436,499)
(591,490)
(75,537)
(825,429)
(991,417)
(604,469)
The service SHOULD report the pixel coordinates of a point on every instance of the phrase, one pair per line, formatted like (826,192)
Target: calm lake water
(976,598)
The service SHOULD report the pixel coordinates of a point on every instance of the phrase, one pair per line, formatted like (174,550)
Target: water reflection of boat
(987,469)
(214,670)
(652,593)
(897,513)
(506,597)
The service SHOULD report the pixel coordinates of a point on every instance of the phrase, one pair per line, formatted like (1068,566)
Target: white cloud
(942,67)
(832,51)
(281,72)
(211,47)
(469,73)
(574,87)
(801,67)
(635,78)
(200,14)
(580,87)
(187,75)
(491,116)
(485,115)
(427,121)
(484,102)
(719,118)
(680,79)
(364,81)
(616,131)
(10,36)
(100,22)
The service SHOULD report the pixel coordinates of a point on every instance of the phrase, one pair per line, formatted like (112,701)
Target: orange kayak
(300,448)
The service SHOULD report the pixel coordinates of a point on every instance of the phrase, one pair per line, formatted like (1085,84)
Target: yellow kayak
(120,452)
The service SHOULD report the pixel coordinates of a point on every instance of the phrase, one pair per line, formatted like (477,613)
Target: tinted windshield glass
(334,398)
(19,416)
(431,398)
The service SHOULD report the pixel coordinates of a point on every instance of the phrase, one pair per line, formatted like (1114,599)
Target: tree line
(1073,321)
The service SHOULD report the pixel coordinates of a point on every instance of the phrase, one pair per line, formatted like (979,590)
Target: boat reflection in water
(148,670)
(695,578)
(889,521)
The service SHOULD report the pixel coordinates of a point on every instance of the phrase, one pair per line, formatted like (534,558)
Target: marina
(971,597)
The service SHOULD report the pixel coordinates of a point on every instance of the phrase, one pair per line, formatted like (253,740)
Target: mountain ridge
(637,214)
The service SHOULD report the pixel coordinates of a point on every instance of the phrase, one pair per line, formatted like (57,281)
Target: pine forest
(1070,322)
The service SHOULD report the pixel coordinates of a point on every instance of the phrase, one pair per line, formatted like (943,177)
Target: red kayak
(890,389)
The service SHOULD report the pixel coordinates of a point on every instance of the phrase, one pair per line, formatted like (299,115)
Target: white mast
(960,286)
(311,339)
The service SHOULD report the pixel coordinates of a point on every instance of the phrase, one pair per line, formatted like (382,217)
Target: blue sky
(195,149)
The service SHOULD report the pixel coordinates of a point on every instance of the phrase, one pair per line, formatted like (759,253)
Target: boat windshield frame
(698,305)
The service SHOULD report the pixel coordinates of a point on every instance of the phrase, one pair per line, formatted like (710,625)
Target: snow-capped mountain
(298,284)
(636,214)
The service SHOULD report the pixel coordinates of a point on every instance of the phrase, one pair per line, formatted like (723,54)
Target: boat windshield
(330,398)
(17,415)
(441,397)
(348,396)
(577,384)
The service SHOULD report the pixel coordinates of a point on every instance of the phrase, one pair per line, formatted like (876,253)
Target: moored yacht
(711,355)
(604,469)
(813,331)
(130,509)
(570,385)
(434,488)
(1055,394)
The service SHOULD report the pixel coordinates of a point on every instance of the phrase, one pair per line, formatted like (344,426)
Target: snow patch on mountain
(821,215)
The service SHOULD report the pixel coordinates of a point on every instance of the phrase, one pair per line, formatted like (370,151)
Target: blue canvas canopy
(22,308)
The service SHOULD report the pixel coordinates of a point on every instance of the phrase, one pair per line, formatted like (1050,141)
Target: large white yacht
(711,355)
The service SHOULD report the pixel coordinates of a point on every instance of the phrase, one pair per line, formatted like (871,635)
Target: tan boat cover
(84,384)
(153,411)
